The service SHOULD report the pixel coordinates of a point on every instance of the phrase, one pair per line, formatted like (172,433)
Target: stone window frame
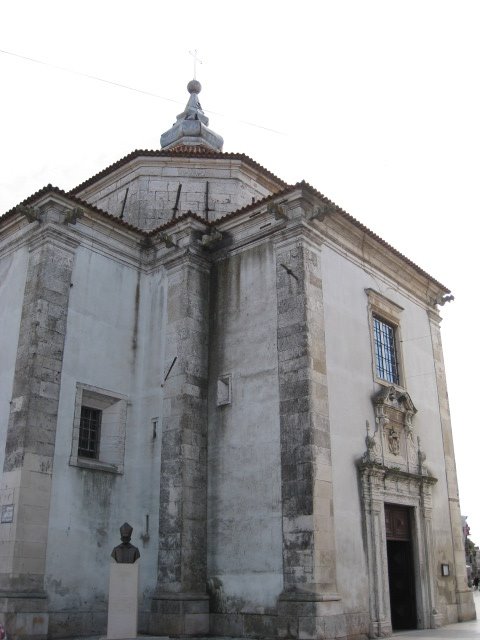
(389,312)
(111,448)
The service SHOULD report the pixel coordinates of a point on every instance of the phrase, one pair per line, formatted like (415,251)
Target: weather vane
(196,59)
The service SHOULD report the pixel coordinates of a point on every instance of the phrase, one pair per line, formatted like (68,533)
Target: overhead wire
(127,87)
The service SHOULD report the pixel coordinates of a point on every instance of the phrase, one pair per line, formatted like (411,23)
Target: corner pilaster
(30,443)
(309,602)
(465,604)
(180,605)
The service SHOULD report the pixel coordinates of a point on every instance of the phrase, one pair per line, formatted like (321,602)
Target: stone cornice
(12,224)
(283,213)
(139,162)
(91,229)
(187,255)
(305,213)
(342,233)
(18,236)
(381,472)
(54,234)
(357,245)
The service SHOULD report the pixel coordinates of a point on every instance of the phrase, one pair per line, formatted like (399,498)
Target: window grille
(89,436)
(385,353)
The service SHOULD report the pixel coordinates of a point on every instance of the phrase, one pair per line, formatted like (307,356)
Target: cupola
(191,128)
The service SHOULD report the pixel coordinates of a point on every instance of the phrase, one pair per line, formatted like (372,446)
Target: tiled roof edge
(174,221)
(371,233)
(304,185)
(182,152)
(258,203)
(289,189)
(49,188)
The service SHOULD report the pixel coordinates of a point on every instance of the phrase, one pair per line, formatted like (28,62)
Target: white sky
(375,103)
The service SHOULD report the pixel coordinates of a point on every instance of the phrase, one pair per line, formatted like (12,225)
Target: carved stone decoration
(392,471)
(412,450)
(374,448)
(393,441)
(394,412)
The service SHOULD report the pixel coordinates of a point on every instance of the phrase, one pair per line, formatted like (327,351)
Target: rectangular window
(89,435)
(386,360)
(99,428)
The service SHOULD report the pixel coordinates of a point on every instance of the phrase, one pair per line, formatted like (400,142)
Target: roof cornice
(39,196)
(306,190)
(303,188)
(192,152)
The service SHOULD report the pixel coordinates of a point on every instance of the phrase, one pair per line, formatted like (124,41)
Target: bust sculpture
(125,553)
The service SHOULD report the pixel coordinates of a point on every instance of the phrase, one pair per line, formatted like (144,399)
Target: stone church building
(238,368)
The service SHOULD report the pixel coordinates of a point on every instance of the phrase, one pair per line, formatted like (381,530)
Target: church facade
(247,375)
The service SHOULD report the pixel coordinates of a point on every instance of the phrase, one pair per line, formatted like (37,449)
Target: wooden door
(401,576)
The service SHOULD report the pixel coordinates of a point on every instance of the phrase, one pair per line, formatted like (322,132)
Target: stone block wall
(152,194)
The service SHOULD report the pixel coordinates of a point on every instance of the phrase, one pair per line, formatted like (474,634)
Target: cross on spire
(196,59)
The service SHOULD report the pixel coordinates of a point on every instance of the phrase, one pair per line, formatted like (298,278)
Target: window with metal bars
(89,436)
(386,361)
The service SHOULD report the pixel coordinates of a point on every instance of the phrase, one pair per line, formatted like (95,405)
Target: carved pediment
(392,397)
(393,443)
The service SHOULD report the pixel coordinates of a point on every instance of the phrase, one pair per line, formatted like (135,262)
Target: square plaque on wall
(7,513)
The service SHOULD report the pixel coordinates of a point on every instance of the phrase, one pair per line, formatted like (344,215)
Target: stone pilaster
(180,605)
(310,602)
(466,607)
(372,482)
(27,474)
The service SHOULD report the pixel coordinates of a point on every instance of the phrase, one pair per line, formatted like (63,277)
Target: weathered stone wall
(13,271)
(115,342)
(30,439)
(275,339)
(180,604)
(465,609)
(152,193)
(351,387)
(244,508)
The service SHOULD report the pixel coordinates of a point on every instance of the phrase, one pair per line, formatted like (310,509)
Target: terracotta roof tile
(78,201)
(239,212)
(181,151)
(304,185)
(174,221)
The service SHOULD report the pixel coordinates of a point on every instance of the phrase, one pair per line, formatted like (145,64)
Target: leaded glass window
(89,436)
(386,361)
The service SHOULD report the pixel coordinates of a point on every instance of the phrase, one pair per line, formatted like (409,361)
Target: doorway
(401,576)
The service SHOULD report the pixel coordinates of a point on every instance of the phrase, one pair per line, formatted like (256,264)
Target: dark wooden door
(400,567)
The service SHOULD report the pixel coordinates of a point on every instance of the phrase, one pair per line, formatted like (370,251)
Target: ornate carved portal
(392,471)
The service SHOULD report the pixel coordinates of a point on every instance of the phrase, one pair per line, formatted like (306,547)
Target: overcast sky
(376,104)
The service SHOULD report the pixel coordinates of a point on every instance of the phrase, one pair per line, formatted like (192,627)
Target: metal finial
(196,59)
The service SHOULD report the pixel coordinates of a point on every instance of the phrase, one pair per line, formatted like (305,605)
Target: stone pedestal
(123,601)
